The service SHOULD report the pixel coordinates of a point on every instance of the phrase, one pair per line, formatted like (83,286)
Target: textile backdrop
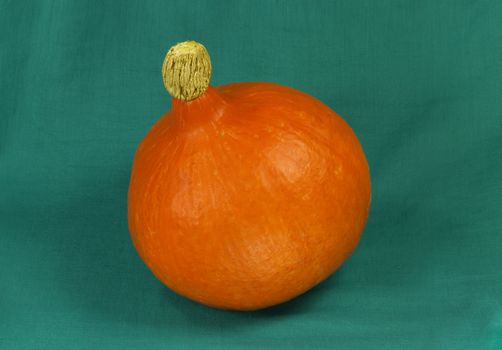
(420,82)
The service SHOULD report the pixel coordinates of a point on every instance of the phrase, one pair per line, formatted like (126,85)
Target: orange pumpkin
(244,195)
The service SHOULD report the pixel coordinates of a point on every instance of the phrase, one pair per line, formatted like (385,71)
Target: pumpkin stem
(186,70)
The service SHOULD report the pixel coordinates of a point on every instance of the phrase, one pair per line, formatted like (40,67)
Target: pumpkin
(244,195)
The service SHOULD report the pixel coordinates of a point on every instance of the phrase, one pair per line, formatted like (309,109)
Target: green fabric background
(419,81)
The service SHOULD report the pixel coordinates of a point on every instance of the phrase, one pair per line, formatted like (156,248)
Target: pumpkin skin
(247,196)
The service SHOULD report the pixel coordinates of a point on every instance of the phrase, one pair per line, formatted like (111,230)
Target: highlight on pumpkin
(186,70)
